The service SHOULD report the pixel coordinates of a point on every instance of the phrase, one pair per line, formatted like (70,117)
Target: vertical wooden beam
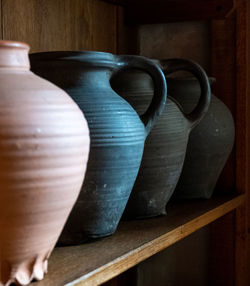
(241,269)
(221,257)
(223,68)
(1,21)
(248,133)
(242,125)
(242,135)
(127,36)
(229,65)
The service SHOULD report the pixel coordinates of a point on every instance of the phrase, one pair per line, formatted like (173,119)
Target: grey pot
(165,147)
(210,142)
(117,134)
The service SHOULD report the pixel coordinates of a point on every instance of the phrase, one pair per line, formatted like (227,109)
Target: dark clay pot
(165,147)
(210,142)
(117,134)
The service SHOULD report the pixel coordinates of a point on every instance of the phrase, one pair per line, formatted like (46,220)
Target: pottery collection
(116,130)
(44,141)
(165,147)
(210,143)
(68,180)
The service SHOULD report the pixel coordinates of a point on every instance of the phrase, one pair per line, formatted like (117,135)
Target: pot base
(22,274)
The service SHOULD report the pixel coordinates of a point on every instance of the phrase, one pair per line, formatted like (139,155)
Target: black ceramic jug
(165,147)
(210,142)
(117,134)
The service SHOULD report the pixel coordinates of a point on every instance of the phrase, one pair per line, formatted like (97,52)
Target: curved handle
(158,102)
(172,65)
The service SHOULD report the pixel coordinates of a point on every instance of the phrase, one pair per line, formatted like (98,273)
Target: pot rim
(88,57)
(14,44)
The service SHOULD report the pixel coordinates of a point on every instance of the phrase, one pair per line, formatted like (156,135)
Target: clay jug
(44,143)
(117,134)
(210,143)
(165,147)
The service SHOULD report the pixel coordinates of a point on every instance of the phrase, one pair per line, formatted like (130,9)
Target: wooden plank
(242,142)
(248,258)
(223,66)
(1,21)
(189,40)
(248,104)
(61,24)
(127,36)
(221,259)
(229,64)
(241,269)
(242,124)
(96,263)
(248,134)
(124,279)
(161,11)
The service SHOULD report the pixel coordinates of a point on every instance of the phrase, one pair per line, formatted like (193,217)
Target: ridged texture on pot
(44,145)
(164,149)
(210,143)
(117,141)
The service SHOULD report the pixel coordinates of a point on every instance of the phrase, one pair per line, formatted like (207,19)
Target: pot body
(210,143)
(44,150)
(117,140)
(164,149)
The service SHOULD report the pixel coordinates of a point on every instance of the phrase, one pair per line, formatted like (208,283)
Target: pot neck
(93,78)
(14,55)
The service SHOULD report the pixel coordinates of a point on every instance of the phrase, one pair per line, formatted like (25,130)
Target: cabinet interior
(216,39)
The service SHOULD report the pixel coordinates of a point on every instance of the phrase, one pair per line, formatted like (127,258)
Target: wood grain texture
(61,24)
(229,66)
(248,135)
(96,263)
(241,268)
(223,67)
(189,40)
(127,36)
(248,104)
(242,124)
(1,27)
(242,141)
(128,278)
(221,258)
(248,258)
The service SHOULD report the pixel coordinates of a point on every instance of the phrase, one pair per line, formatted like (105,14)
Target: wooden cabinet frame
(112,26)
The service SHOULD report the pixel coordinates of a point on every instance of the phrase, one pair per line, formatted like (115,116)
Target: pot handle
(158,102)
(172,65)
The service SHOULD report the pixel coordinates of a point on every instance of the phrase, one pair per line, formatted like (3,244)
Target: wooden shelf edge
(164,11)
(132,258)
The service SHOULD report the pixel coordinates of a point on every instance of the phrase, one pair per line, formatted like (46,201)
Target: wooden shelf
(161,11)
(97,262)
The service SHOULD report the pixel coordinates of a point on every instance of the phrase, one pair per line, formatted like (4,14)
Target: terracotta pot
(210,142)
(117,134)
(44,144)
(165,147)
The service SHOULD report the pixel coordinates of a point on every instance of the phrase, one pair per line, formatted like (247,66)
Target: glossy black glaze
(210,143)
(165,146)
(117,134)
